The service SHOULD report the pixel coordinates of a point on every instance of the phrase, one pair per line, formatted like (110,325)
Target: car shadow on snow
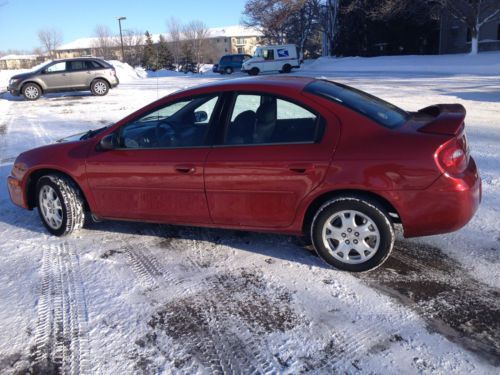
(49,97)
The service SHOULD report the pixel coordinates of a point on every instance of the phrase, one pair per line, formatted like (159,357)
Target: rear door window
(77,65)
(265,119)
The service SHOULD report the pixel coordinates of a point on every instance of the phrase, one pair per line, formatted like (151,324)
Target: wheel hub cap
(351,237)
(50,207)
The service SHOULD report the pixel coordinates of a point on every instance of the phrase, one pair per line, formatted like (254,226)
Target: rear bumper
(446,206)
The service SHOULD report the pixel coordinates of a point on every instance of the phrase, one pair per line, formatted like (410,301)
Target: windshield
(257,53)
(368,105)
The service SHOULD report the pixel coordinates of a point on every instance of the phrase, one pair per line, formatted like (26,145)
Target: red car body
(272,187)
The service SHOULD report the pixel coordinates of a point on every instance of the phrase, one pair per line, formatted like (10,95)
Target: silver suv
(79,74)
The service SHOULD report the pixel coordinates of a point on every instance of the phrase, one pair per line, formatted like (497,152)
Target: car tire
(99,87)
(253,72)
(228,70)
(32,91)
(287,68)
(352,234)
(60,204)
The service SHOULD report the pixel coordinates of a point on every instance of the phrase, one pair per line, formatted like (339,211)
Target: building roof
(19,57)
(214,32)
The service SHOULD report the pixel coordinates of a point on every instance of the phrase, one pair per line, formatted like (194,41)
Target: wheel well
(33,82)
(35,176)
(374,198)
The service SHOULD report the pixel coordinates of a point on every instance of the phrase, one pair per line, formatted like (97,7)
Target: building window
(241,50)
(240,41)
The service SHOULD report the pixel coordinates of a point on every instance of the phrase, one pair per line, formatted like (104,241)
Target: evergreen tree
(187,60)
(165,57)
(149,55)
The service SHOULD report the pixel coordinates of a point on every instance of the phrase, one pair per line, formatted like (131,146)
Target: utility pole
(330,9)
(120,19)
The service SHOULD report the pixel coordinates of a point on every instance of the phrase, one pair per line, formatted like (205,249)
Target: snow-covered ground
(140,298)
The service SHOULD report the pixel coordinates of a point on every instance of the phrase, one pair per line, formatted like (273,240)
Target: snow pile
(126,73)
(487,63)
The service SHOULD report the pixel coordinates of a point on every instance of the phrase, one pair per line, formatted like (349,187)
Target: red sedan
(289,155)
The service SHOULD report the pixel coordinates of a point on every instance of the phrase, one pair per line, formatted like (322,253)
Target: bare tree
(271,17)
(174,30)
(196,34)
(133,43)
(50,39)
(104,42)
(474,14)
(304,22)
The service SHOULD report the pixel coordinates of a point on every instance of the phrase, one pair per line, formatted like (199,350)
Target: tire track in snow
(222,342)
(449,300)
(61,333)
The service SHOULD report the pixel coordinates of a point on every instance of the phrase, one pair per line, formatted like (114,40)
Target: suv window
(225,59)
(76,65)
(91,64)
(181,124)
(265,119)
(57,67)
(376,109)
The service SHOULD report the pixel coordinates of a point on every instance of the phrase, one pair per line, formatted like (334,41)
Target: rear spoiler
(448,119)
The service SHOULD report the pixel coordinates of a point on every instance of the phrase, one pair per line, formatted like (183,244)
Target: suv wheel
(31,91)
(60,204)
(99,87)
(352,234)
(228,70)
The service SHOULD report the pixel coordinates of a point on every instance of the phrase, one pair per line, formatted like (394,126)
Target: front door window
(180,124)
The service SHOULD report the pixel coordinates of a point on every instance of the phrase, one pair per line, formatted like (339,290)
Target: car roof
(79,58)
(295,84)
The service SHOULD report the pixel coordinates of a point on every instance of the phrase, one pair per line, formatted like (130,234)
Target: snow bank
(126,73)
(487,63)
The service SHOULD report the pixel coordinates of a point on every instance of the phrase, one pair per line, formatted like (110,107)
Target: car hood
(22,75)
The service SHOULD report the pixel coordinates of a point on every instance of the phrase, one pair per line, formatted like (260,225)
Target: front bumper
(14,90)
(16,192)
(446,206)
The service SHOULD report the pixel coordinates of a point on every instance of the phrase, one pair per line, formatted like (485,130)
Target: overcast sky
(21,19)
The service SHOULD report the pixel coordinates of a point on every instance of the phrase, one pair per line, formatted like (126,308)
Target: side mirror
(108,142)
(200,116)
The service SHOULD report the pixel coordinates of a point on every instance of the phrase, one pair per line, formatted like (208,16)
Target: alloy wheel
(351,237)
(51,207)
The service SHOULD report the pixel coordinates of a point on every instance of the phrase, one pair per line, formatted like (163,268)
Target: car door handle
(185,169)
(301,168)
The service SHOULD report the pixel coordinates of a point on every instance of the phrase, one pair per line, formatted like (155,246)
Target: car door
(272,154)
(79,74)
(156,171)
(55,76)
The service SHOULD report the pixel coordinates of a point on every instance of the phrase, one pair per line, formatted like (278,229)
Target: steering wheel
(164,134)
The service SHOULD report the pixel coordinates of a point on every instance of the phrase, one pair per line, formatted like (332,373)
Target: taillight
(452,157)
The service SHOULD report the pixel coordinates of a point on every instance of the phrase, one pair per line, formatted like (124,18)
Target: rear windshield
(376,109)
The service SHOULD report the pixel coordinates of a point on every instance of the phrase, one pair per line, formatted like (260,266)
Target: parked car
(230,63)
(279,58)
(78,74)
(292,155)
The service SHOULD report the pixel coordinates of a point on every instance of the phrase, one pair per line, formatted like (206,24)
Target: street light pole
(121,36)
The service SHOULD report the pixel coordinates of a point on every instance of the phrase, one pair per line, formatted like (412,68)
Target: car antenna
(157,66)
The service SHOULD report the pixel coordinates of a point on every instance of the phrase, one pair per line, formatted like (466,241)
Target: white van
(272,58)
